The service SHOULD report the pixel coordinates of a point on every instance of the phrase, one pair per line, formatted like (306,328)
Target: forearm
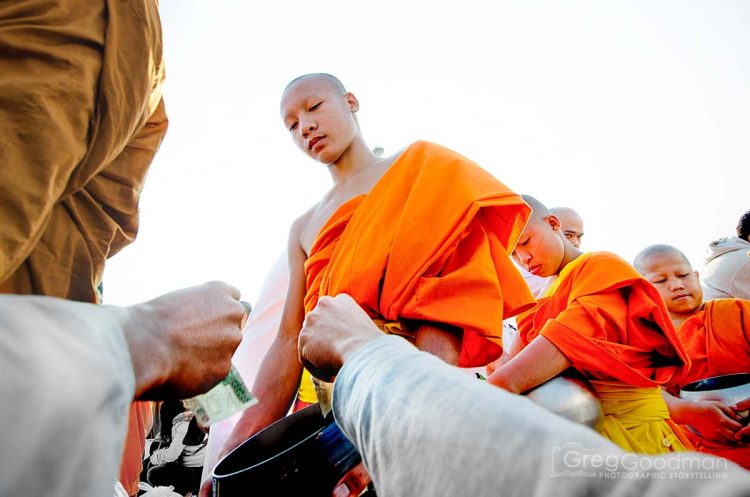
(678,408)
(409,413)
(274,387)
(67,378)
(532,366)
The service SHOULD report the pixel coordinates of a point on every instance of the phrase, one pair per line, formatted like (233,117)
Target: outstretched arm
(279,374)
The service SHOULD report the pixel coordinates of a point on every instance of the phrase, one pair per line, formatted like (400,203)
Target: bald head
(571,223)
(319,80)
(539,211)
(647,256)
(670,272)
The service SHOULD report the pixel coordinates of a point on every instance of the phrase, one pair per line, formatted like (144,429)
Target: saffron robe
(613,326)
(717,338)
(430,242)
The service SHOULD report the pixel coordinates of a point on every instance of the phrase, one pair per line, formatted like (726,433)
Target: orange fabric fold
(610,322)
(431,242)
(717,339)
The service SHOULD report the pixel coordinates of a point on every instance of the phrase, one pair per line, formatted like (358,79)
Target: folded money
(227,398)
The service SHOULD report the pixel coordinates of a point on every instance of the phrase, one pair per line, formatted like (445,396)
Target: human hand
(181,343)
(741,408)
(332,331)
(353,482)
(712,419)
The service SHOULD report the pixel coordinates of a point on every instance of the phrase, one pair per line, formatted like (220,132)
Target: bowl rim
(691,387)
(326,424)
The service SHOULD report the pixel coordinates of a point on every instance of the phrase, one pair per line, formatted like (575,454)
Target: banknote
(227,398)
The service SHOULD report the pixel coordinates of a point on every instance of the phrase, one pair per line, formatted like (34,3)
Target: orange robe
(613,327)
(430,242)
(717,339)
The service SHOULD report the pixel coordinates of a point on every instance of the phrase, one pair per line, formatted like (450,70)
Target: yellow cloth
(80,120)
(636,418)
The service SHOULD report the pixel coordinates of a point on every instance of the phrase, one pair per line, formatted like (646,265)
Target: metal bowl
(570,397)
(302,454)
(727,389)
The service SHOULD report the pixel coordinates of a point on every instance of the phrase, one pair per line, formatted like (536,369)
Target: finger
(743,435)
(729,412)
(742,405)
(353,482)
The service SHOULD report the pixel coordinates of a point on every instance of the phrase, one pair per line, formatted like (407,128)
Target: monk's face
(540,248)
(572,228)
(320,118)
(676,281)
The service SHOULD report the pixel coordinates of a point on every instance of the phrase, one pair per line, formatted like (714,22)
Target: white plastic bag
(157,491)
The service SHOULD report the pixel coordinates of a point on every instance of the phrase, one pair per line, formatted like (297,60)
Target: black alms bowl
(302,454)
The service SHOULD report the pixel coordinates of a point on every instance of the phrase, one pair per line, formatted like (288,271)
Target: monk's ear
(352,102)
(554,222)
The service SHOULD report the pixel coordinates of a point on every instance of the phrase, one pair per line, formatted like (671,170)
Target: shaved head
(571,223)
(646,255)
(670,272)
(320,80)
(539,211)
(567,215)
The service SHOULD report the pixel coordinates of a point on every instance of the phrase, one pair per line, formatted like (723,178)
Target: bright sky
(635,113)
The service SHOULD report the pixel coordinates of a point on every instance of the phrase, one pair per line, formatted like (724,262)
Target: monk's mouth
(313,142)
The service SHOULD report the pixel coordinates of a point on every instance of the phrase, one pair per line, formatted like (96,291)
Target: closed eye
(314,107)
(293,126)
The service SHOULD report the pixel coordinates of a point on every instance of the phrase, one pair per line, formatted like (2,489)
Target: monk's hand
(713,420)
(353,483)
(491,367)
(181,343)
(742,409)
(335,329)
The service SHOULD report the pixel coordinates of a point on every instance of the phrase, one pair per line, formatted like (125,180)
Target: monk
(605,320)
(716,335)
(571,224)
(81,117)
(421,240)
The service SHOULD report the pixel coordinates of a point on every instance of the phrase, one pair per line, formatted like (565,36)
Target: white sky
(635,113)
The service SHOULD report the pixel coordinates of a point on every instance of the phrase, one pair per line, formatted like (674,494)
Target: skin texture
(571,224)
(181,343)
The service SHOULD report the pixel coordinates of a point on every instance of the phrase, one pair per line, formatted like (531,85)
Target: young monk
(421,240)
(606,321)
(716,335)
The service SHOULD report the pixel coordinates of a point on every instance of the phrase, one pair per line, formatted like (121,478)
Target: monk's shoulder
(604,260)
(301,225)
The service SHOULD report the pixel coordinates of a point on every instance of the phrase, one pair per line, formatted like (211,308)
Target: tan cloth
(80,119)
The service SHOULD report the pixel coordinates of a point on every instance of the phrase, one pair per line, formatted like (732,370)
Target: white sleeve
(65,390)
(424,428)
(175,448)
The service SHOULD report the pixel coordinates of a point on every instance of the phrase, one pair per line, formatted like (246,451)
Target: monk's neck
(356,159)
(571,254)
